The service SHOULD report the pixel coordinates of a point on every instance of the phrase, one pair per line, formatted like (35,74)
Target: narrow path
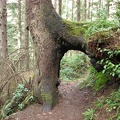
(72,104)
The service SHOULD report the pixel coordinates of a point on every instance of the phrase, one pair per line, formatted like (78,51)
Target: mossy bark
(52,39)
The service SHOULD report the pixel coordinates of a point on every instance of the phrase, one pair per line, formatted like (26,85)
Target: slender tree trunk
(26,37)
(84,10)
(19,31)
(67,9)
(99,6)
(3,29)
(78,10)
(52,40)
(91,10)
(107,8)
(72,10)
(89,2)
(60,7)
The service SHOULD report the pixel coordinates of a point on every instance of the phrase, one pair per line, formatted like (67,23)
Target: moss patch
(76,28)
(46,96)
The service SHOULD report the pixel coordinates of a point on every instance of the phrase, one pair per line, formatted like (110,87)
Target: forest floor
(72,104)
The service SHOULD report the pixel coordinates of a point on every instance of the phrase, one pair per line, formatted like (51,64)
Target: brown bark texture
(60,7)
(51,39)
(3,29)
(84,10)
(26,37)
(78,10)
(19,34)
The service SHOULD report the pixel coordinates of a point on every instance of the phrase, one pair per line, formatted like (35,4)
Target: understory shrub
(96,80)
(110,105)
(21,98)
(72,67)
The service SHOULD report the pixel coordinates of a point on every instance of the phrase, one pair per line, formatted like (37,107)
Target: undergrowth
(72,67)
(96,80)
(21,98)
(109,105)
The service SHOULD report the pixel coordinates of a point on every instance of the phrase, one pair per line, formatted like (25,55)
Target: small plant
(101,80)
(21,97)
(96,80)
(89,114)
(110,67)
(99,103)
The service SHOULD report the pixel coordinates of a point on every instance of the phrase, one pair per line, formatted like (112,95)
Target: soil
(72,104)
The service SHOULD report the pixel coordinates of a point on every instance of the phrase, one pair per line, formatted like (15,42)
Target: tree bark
(52,40)
(84,10)
(107,8)
(72,10)
(60,7)
(26,37)
(67,9)
(19,32)
(3,29)
(78,10)
(89,3)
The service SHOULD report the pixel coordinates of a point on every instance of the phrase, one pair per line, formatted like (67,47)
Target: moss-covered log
(100,41)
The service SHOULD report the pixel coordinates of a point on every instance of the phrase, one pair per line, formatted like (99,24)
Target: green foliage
(100,24)
(110,104)
(89,114)
(101,80)
(109,67)
(72,67)
(89,81)
(95,79)
(21,98)
(118,11)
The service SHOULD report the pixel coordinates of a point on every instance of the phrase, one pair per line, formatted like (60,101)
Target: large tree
(51,39)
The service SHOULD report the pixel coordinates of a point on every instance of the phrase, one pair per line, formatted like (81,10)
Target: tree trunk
(67,9)
(3,29)
(60,7)
(26,37)
(89,2)
(84,10)
(19,32)
(78,10)
(72,10)
(107,8)
(51,40)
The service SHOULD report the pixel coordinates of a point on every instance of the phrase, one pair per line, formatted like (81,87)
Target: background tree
(60,7)
(107,7)
(89,6)
(26,37)
(84,10)
(78,10)
(72,10)
(19,32)
(3,29)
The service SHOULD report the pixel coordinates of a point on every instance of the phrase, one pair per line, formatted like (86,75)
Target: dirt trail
(72,104)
